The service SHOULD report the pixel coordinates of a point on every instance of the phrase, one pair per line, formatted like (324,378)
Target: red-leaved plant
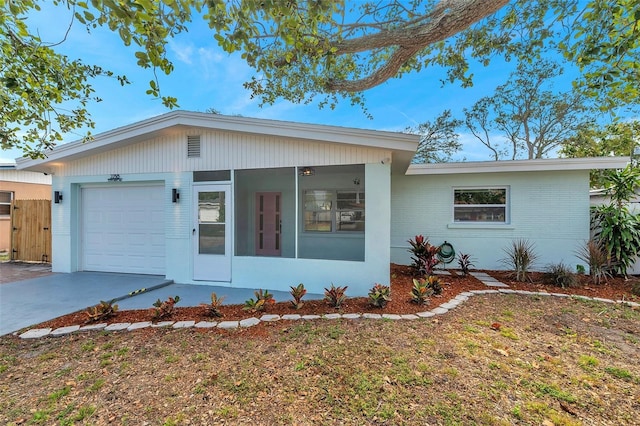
(425,256)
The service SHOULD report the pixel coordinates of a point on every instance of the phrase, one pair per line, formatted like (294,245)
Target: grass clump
(560,275)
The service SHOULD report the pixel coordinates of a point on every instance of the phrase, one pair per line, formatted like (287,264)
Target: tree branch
(448,17)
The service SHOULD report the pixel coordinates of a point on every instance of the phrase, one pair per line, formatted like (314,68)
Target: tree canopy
(592,140)
(439,140)
(304,51)
(531,120)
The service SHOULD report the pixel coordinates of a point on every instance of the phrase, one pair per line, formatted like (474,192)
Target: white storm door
(212,232)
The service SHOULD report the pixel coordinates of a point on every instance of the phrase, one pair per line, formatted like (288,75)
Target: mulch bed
(401,283)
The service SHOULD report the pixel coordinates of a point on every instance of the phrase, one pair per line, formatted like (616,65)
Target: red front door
(268,223)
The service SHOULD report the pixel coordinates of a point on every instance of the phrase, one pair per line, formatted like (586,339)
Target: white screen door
(212,233)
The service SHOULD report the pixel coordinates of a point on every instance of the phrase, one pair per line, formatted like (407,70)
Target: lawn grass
(558,361)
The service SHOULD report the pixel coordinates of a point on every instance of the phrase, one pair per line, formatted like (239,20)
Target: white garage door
(123,229)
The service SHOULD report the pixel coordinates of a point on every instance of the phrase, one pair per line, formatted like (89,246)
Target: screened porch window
(350,211)
(318,206)
(334,211)
(478,205)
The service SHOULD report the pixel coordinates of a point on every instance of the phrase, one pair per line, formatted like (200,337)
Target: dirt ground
(16,271)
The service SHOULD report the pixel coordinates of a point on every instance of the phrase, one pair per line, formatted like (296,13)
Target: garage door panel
(123,229)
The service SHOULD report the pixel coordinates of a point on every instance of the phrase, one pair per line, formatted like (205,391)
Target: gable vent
(193,146)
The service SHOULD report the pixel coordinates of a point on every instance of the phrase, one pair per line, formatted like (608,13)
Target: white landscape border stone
(253,321)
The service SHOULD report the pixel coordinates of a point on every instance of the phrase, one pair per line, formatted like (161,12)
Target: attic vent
(193,146)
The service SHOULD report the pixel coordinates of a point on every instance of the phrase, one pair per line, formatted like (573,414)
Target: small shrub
(263,298)
(580,269)
(164,309)
(635,289)
(335,296)
(435,284)
(595,255)
(425,256)
(101,311)
(213,309)
(297,293)
(560,275)
(465,263)
(520,258)
(379,295)
(421,292)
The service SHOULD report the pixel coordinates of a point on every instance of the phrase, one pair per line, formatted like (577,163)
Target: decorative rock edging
(253,321)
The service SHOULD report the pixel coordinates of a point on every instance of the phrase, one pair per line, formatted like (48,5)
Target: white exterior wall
(66,225)
(23,176)
(219,151)
(164,160)
(550,209)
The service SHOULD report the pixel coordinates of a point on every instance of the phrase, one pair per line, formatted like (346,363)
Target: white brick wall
(550,209)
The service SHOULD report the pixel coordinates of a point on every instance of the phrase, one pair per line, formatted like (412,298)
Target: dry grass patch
(562,361)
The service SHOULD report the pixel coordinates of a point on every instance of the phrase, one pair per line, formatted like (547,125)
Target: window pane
(480,196)
(317,200)
(350,220)
(5,209)
(212,238)
(5,197)
(317,221)
(211,207)
(350,200)
(479,214)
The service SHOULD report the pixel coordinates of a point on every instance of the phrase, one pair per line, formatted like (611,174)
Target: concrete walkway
(27,301)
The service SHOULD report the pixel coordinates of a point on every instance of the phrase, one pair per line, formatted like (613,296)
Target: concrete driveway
(31,301)
(28,301)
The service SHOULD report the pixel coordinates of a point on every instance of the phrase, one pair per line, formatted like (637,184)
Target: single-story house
(18,185)
(234,201)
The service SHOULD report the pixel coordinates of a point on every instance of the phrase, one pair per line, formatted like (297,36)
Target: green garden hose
(446,253)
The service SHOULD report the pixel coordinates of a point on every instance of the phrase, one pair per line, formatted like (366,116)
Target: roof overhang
(404,145)
(538,165)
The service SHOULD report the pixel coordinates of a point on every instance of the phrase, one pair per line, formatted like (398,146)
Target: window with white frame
(334,211)
(5,203)
(481,205)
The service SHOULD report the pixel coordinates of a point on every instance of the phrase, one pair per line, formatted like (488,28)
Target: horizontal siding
(219,151)
(23,176)
(550,209)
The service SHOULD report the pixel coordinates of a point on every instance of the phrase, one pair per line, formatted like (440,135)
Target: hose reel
(446,253)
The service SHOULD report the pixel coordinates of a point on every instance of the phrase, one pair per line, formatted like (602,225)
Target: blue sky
(206,77)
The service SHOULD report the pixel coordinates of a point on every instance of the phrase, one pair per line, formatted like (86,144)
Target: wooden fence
(31,230)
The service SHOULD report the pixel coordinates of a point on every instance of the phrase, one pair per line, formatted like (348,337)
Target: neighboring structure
(212,199)
(18,185)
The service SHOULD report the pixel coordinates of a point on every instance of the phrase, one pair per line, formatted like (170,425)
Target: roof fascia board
(537,165)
